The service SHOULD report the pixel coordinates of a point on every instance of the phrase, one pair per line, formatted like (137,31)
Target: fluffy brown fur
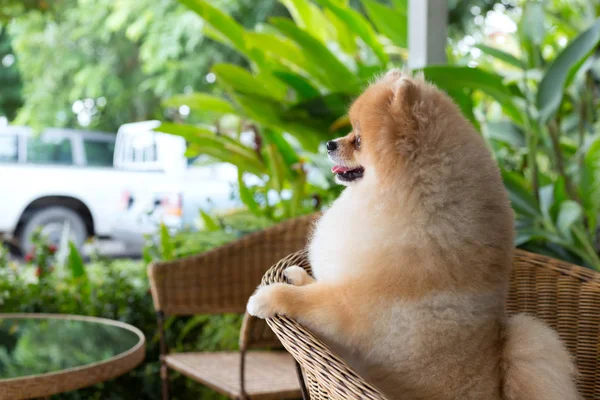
(411,262)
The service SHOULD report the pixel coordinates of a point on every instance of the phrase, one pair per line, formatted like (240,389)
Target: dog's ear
(394,74)
(405,93)
(404,109)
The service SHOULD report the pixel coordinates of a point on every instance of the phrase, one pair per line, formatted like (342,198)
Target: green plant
(4,256)
(549,150)
(10,96)
(293,98)
(41,256)
(218,229)
(537,109)
(118,289)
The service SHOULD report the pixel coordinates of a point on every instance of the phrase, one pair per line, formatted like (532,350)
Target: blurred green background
(526,73)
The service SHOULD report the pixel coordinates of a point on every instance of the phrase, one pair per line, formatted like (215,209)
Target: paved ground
(111,248)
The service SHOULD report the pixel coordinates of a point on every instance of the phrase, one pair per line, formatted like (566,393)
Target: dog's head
(387,129)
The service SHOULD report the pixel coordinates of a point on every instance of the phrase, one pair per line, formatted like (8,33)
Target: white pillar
(427,32)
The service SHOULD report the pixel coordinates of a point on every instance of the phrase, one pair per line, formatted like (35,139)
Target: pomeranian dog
(411,263)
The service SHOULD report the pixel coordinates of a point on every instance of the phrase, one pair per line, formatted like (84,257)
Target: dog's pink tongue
(338,169)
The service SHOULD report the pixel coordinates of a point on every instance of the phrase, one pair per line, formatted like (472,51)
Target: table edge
(76,377)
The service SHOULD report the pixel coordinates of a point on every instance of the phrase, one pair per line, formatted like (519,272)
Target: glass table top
(39,345)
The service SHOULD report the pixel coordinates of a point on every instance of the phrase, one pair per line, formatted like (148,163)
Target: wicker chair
(564,295)
(221,281)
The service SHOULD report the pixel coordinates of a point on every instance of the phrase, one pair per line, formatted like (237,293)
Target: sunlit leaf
(506,132)
(388,21)
(527,235)
(341,122)
(401,5)
(246,196)
(309,17)
(326,106)
(331,70)
(283,50)
(559,195)
(465,102)
(285,149)
(459,77)
(219,146)
(590,183)
(166,243)
(76,262)
(343,35)
(546,200)
(201,102)
(501,55)
(298,186)
(271,114)
(552,86)
(520,195)
(301,85)
(275,165)
(570,212)
(243,81)
(227,27)
(210,224)
(532,22)
(360,26)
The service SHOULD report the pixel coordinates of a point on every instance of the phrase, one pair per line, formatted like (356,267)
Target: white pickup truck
(83,178)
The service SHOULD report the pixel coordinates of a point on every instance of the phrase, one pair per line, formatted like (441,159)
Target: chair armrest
(323,370)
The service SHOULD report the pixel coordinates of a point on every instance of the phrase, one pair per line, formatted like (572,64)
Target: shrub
(118,290)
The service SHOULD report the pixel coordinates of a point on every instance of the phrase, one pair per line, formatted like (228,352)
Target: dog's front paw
(262,303)
(297,276)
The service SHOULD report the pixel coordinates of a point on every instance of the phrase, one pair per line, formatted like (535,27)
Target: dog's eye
(357,142)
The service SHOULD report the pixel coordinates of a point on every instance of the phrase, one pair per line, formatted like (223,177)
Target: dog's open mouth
(348,174)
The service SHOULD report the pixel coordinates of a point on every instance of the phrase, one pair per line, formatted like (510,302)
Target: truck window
(9,148)
(43,151)
(99,153)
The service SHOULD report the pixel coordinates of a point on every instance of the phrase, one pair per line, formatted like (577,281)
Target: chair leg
(164,371)
(300,376)
(164,377)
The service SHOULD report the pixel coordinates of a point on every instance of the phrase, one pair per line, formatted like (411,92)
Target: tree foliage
(11,8)
(10,82)
(101,63)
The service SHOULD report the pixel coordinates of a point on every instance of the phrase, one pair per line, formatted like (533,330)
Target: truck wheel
(52,220)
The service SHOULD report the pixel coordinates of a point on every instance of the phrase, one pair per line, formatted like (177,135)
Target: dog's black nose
(331,145)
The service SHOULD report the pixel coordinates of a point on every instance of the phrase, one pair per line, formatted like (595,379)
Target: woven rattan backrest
(564,295)
(568,298)
(222,280)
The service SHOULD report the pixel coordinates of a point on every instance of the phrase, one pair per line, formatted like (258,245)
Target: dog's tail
(536,364)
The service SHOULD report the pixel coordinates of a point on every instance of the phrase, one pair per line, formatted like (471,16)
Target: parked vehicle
(57,177)
(78,179)
(176,201)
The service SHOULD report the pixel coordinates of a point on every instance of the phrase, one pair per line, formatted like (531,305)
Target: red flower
(29,257)
(38,272)
(52,248)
